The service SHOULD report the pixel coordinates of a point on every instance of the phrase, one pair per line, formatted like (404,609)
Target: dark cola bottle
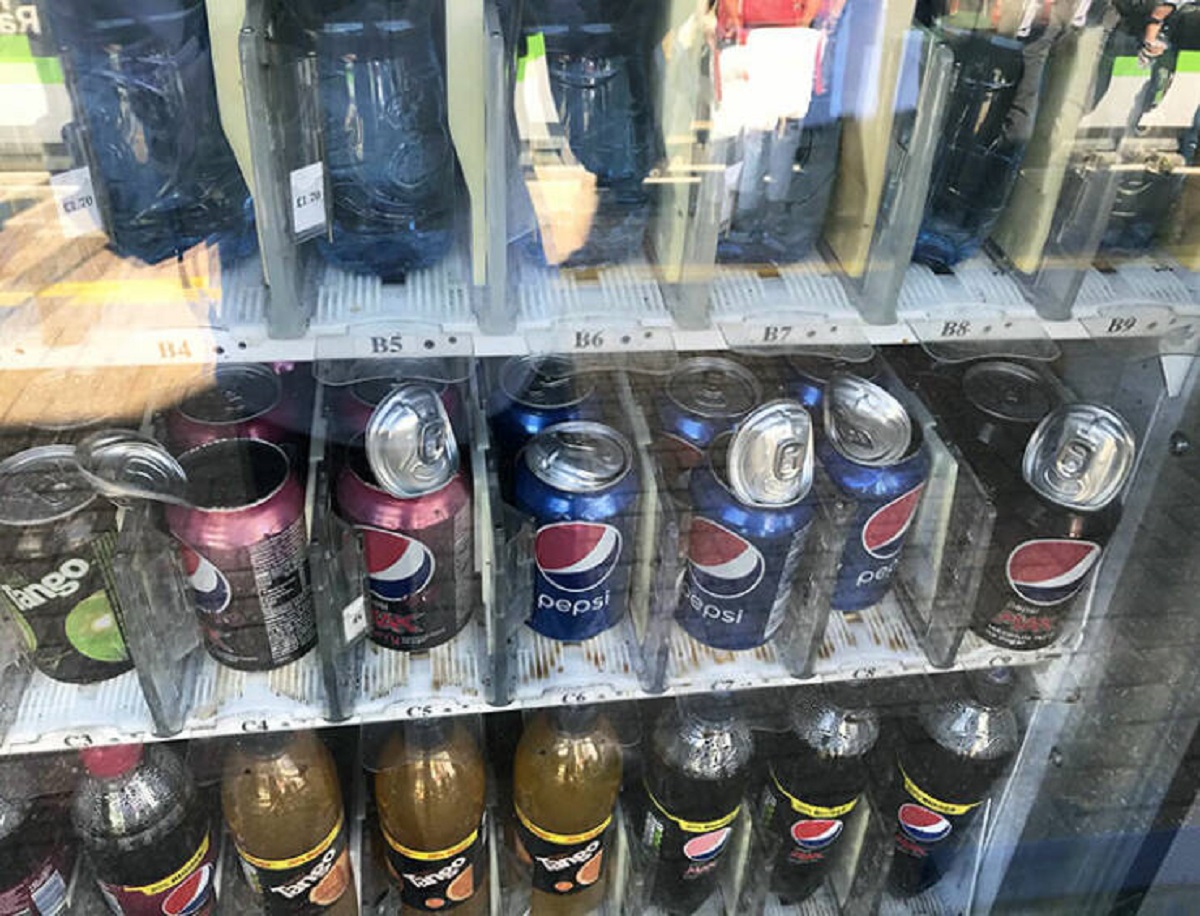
(138,817)
(696,774)
(815,780)
(949,757)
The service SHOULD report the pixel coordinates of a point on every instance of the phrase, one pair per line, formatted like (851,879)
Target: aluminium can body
(244,550)
(57,540)
(583,542)
(243,402)
(741,564)
(1040,561)
(886,500)
(419,557)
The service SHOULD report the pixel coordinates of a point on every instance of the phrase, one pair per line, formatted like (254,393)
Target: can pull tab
(433,440)
(789,460)
(1073,458)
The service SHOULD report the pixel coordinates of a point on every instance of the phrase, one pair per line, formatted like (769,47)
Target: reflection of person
(1152,44)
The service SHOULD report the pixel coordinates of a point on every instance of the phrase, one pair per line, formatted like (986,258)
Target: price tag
(595,339)
(1146,321)
(308,199)
(354,620)
(381,343)
(980,326)
(797,332)
(75,198)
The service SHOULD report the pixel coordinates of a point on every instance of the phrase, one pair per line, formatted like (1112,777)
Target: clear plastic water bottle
(141,79)
(387,138)
(597,56)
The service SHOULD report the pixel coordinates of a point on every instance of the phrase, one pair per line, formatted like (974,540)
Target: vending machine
(564,457)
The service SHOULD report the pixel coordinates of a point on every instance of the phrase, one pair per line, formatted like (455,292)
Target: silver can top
(122,464)
(769,461)
(1008,391)
(1080,456)
(42,485)
(237,394)
(821,362)
(410,445)
(579,456)
(709,386)
(865,423)
(543,381)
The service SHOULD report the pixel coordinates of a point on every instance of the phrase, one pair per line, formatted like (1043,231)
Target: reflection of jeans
(387,138)
(143,87)
(990,120)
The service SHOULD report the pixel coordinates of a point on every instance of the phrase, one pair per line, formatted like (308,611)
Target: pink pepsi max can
(1050,534)
(418,552)
(243,402)
(244,549)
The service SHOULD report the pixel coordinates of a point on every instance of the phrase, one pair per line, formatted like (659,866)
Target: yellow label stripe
(803,807)
(934,804)
(695,826)
(421,856)
(562,839)
(295,861)
(153,890)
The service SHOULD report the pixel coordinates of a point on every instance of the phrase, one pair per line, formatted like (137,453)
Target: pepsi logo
(1051,570)
(813,834)
(210,588)
(923,825)
(398,567)
(707,846)
(883,534)
(192,895)
(721,563)
(577,556)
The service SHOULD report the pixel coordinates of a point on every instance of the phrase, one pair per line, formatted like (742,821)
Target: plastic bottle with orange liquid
(430,790)
(566,777)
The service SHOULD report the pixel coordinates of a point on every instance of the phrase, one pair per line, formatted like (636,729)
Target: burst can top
(865,423)
(41,486)
(1080,456)
(409,442)
(770,457)
(707,395)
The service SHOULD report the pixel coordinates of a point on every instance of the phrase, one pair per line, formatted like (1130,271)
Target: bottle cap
(991,686)
(111,762)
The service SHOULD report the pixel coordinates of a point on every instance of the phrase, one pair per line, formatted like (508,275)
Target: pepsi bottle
(391,161)
(139,820)
(695,778)
(141,80)
(598,56)
(814,782)
(949,757)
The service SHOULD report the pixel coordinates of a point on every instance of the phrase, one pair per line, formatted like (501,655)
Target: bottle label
(187,891)
(696,845)
(43,892)
(305,884)
(562,863)
(439,880)
(809,831)
(926,821)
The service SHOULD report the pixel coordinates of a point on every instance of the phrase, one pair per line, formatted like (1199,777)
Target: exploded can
(57,539)
(245,553)
(578,482)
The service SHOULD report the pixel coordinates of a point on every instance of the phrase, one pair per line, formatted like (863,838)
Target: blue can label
(580,579)
(872,550)
(735,590)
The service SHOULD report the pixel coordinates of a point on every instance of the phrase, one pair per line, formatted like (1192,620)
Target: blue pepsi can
(752,508)
(535,392)
(578,482)
(808,372)
(879,461)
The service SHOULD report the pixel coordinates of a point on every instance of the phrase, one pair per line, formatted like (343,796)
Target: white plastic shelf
(547,672)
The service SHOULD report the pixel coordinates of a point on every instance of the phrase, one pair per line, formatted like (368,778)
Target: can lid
(123,464)
(770,457)
(710,386)
(110,762)
(544,381)
(409,442)
(41,485)
(864,422)
(238,393)
(821,362)
(1080,456)
(1008,391)
(579,456)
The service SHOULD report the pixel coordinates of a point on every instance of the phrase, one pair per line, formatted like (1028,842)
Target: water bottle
(141,79)
(387,138)
(597,57)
